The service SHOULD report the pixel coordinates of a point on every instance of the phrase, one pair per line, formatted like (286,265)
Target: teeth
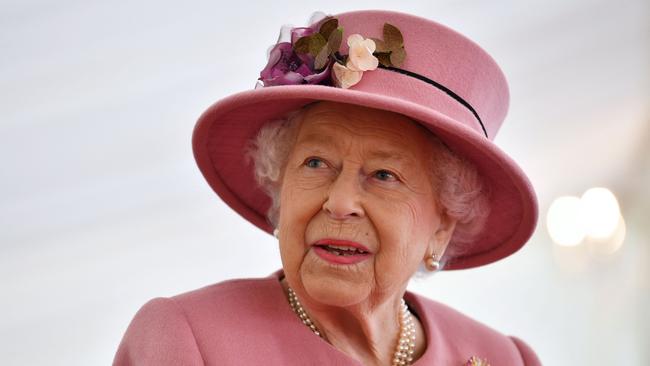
(344,250)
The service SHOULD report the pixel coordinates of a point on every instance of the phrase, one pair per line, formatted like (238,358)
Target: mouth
(341,251)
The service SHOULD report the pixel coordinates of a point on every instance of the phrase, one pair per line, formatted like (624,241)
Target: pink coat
(249,322)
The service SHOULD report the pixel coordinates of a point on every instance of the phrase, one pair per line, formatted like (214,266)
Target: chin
(336,285)
(335,293)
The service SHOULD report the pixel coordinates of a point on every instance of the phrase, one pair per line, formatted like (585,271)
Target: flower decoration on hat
(475,361)
(312,56)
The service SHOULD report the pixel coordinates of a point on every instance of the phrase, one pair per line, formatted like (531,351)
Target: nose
(344,197)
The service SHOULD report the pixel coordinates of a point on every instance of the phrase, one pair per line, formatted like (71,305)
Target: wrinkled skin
(363,175)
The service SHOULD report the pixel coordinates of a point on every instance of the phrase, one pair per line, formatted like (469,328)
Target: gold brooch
(475,361)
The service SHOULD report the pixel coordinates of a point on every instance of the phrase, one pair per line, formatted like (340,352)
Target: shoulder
(236,292)
(158,334)
(173,331)
(527,354)
(464,336)
(452,321)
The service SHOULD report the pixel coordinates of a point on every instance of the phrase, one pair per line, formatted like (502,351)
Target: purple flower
(286,67)
(310,55)
(300,32)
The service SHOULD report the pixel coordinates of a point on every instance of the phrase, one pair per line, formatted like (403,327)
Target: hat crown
(441,55)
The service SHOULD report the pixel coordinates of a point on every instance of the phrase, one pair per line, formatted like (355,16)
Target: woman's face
(357,205)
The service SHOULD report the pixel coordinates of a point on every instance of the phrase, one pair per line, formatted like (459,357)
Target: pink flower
(360,56)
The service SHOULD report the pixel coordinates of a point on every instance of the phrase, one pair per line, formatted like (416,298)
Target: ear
(442,235)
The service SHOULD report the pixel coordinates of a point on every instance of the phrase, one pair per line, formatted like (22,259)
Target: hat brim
(222,134)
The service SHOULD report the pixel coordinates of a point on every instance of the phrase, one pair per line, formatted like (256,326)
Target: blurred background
(102,207)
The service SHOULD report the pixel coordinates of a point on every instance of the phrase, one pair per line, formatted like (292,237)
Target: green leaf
(393,37)
(316,43)
(384,59)
(321,58)
(302,45)
(334,41)
(380,45)
(328,27)
(397,57)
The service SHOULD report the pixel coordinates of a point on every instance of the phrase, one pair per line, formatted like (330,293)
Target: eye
(314,163)
(385,175)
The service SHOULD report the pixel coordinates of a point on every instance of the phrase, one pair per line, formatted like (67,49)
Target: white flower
(360,56)
(360,59)
(344,77)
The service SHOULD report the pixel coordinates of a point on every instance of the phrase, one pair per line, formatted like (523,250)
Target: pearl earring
(432,263)
(276,233)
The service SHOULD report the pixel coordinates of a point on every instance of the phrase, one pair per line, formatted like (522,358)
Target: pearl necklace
(405,347)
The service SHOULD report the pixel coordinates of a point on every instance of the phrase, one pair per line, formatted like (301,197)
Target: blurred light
(600,211)
(564,221)
(614,242)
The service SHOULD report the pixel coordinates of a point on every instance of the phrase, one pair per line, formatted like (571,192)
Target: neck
(367,332)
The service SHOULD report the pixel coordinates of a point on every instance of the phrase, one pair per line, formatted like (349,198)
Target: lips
(341,251)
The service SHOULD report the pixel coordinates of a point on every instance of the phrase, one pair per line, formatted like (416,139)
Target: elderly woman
(368,152)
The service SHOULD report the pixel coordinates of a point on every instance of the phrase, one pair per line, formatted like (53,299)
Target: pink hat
(426,71)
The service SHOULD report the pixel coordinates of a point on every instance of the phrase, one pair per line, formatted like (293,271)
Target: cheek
(404,235)
(299,201)
(410,227)
(297,208)
(425,224)
(397,217)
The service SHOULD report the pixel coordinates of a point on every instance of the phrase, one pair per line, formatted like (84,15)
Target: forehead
(330,122)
